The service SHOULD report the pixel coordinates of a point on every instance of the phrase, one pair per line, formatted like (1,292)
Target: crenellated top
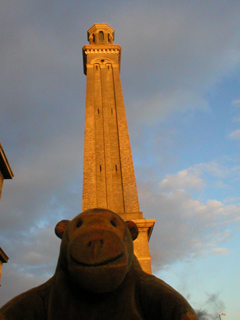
(100,33)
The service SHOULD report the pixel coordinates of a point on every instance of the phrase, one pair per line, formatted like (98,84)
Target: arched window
(101,36)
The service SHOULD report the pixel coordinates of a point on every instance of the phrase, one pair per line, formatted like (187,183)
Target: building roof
(4,165)
(3,257)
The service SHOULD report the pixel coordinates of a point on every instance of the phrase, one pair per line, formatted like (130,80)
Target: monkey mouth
(103,263)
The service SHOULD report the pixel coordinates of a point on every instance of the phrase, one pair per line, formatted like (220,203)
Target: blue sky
(180,77)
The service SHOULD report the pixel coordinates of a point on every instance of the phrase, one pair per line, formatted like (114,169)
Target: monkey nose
(95,243)
(95,248)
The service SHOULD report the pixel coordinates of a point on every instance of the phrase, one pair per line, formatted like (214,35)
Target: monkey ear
(61,227)
(132,228)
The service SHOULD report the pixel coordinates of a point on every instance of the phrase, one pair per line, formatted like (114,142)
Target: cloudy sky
(180,76)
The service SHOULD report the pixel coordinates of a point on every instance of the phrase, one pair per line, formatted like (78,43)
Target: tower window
(101,36)
(100,168)
(93,37)
(97,110)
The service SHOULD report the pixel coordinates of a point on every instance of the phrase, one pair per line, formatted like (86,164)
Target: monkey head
(97,249)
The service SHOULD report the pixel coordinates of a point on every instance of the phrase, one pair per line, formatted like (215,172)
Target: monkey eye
(113,223)
(79,223)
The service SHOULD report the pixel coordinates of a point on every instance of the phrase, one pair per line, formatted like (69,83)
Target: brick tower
(108,172)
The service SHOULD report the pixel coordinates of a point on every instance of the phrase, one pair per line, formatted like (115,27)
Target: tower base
(141,246)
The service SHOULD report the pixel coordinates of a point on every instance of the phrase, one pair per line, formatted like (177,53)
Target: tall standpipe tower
(108,172)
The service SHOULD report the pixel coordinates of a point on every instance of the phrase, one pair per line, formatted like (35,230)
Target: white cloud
(237,119)
(185,179)
(34,258)
(221,251)
(162,104)
(214,168)
(236,103)
(187,227)
(235,135)
(200,176)
(190,40)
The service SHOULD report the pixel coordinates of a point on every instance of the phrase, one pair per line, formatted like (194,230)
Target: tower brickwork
(108,172)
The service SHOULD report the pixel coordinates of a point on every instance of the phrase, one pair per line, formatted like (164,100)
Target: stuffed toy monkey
(98,278)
